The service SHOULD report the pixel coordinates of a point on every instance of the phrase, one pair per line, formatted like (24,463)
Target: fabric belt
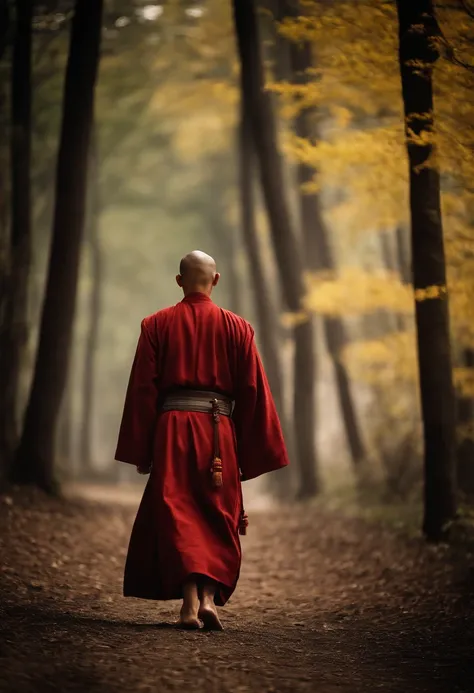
(198,400)
(217,405)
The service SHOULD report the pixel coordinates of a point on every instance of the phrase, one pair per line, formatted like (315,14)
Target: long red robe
(183,525)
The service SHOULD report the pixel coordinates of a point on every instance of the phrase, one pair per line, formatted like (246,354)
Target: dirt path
(324,604)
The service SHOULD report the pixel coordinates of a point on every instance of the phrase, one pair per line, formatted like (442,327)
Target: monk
(200,418)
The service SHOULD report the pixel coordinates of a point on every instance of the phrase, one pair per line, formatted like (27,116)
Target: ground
(325,603)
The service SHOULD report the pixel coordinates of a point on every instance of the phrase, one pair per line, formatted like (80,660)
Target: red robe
(183,524)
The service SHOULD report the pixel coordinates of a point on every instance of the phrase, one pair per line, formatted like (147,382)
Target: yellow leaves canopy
(357,292)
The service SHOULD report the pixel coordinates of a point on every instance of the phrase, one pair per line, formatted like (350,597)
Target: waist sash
(198,400)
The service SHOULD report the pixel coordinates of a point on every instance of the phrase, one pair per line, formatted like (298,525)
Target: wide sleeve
(260,444)
(135,441)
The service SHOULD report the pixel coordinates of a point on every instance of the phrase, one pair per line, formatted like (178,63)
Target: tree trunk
(97,271)
(224,235)
(4,25)
(4,239)
(317,248)
(65,434)
(18,249)
(289,261)
(403,254)
(429,270)
(390,259)
(234,281)
(35,457)
(267,320)
(465,448)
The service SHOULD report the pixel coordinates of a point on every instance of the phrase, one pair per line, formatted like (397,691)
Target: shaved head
(197,272)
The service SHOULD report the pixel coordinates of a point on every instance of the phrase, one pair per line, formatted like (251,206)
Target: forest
(322,152)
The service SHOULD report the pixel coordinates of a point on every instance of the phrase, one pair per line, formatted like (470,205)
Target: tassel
(243,523)
(216,471)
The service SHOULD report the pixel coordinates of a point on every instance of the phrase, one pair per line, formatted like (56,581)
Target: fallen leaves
(323,600)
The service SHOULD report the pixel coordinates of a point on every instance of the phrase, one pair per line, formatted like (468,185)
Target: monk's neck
(197,296)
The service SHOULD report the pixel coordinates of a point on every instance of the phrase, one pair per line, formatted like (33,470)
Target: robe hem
(249,477)
(224,591)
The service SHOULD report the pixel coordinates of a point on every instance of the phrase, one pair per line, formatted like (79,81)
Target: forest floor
(325,603)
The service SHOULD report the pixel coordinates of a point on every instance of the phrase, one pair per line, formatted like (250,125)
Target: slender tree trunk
(403,254)
(15,324)
(267,320)
(429,269)
(390,260)
(289,261)
(465,448)
(234,282)
(224,235)
(4,235)
(97,271)
(35,458)
(4,25)
(65,431)
(269,328)
(317,248)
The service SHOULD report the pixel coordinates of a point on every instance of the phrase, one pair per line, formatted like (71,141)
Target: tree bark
(390,258)
(403,254)
(18,247)
(267,320)
(34,462)
(4,25)
(224,235)
(64,440)
(289,260)
(465,448)
(234,281)
(429,269)
(317,247)
(97,271)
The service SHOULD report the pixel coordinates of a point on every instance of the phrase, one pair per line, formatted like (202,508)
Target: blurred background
(169,172)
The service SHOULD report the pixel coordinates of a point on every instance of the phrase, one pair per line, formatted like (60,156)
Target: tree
(287,253)
(269,329)
(34,463)
(18,250)
(4,232)
(4,25)
(465,448)
(97,272)
(417,54)
(317,247)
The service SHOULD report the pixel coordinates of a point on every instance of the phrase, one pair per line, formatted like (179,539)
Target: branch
(451,55)
(469,10)
(449,50)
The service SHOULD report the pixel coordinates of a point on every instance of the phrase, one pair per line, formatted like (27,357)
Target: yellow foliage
(356,292)
(431,292)
(381,362)
(465,431)
(197,79)
(464,381)
(355,95)
(359,89)
(291,320)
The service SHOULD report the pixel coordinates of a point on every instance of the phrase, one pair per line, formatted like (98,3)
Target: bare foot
(208,615)
(188,616)
(188,621)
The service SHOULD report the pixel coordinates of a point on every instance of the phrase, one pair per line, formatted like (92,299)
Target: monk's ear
(179,280)
(216,279)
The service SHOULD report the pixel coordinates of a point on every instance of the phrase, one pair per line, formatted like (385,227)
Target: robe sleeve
(135,441)
(260,444)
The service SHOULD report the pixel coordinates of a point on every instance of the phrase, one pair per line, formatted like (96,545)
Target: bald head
(197,272)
